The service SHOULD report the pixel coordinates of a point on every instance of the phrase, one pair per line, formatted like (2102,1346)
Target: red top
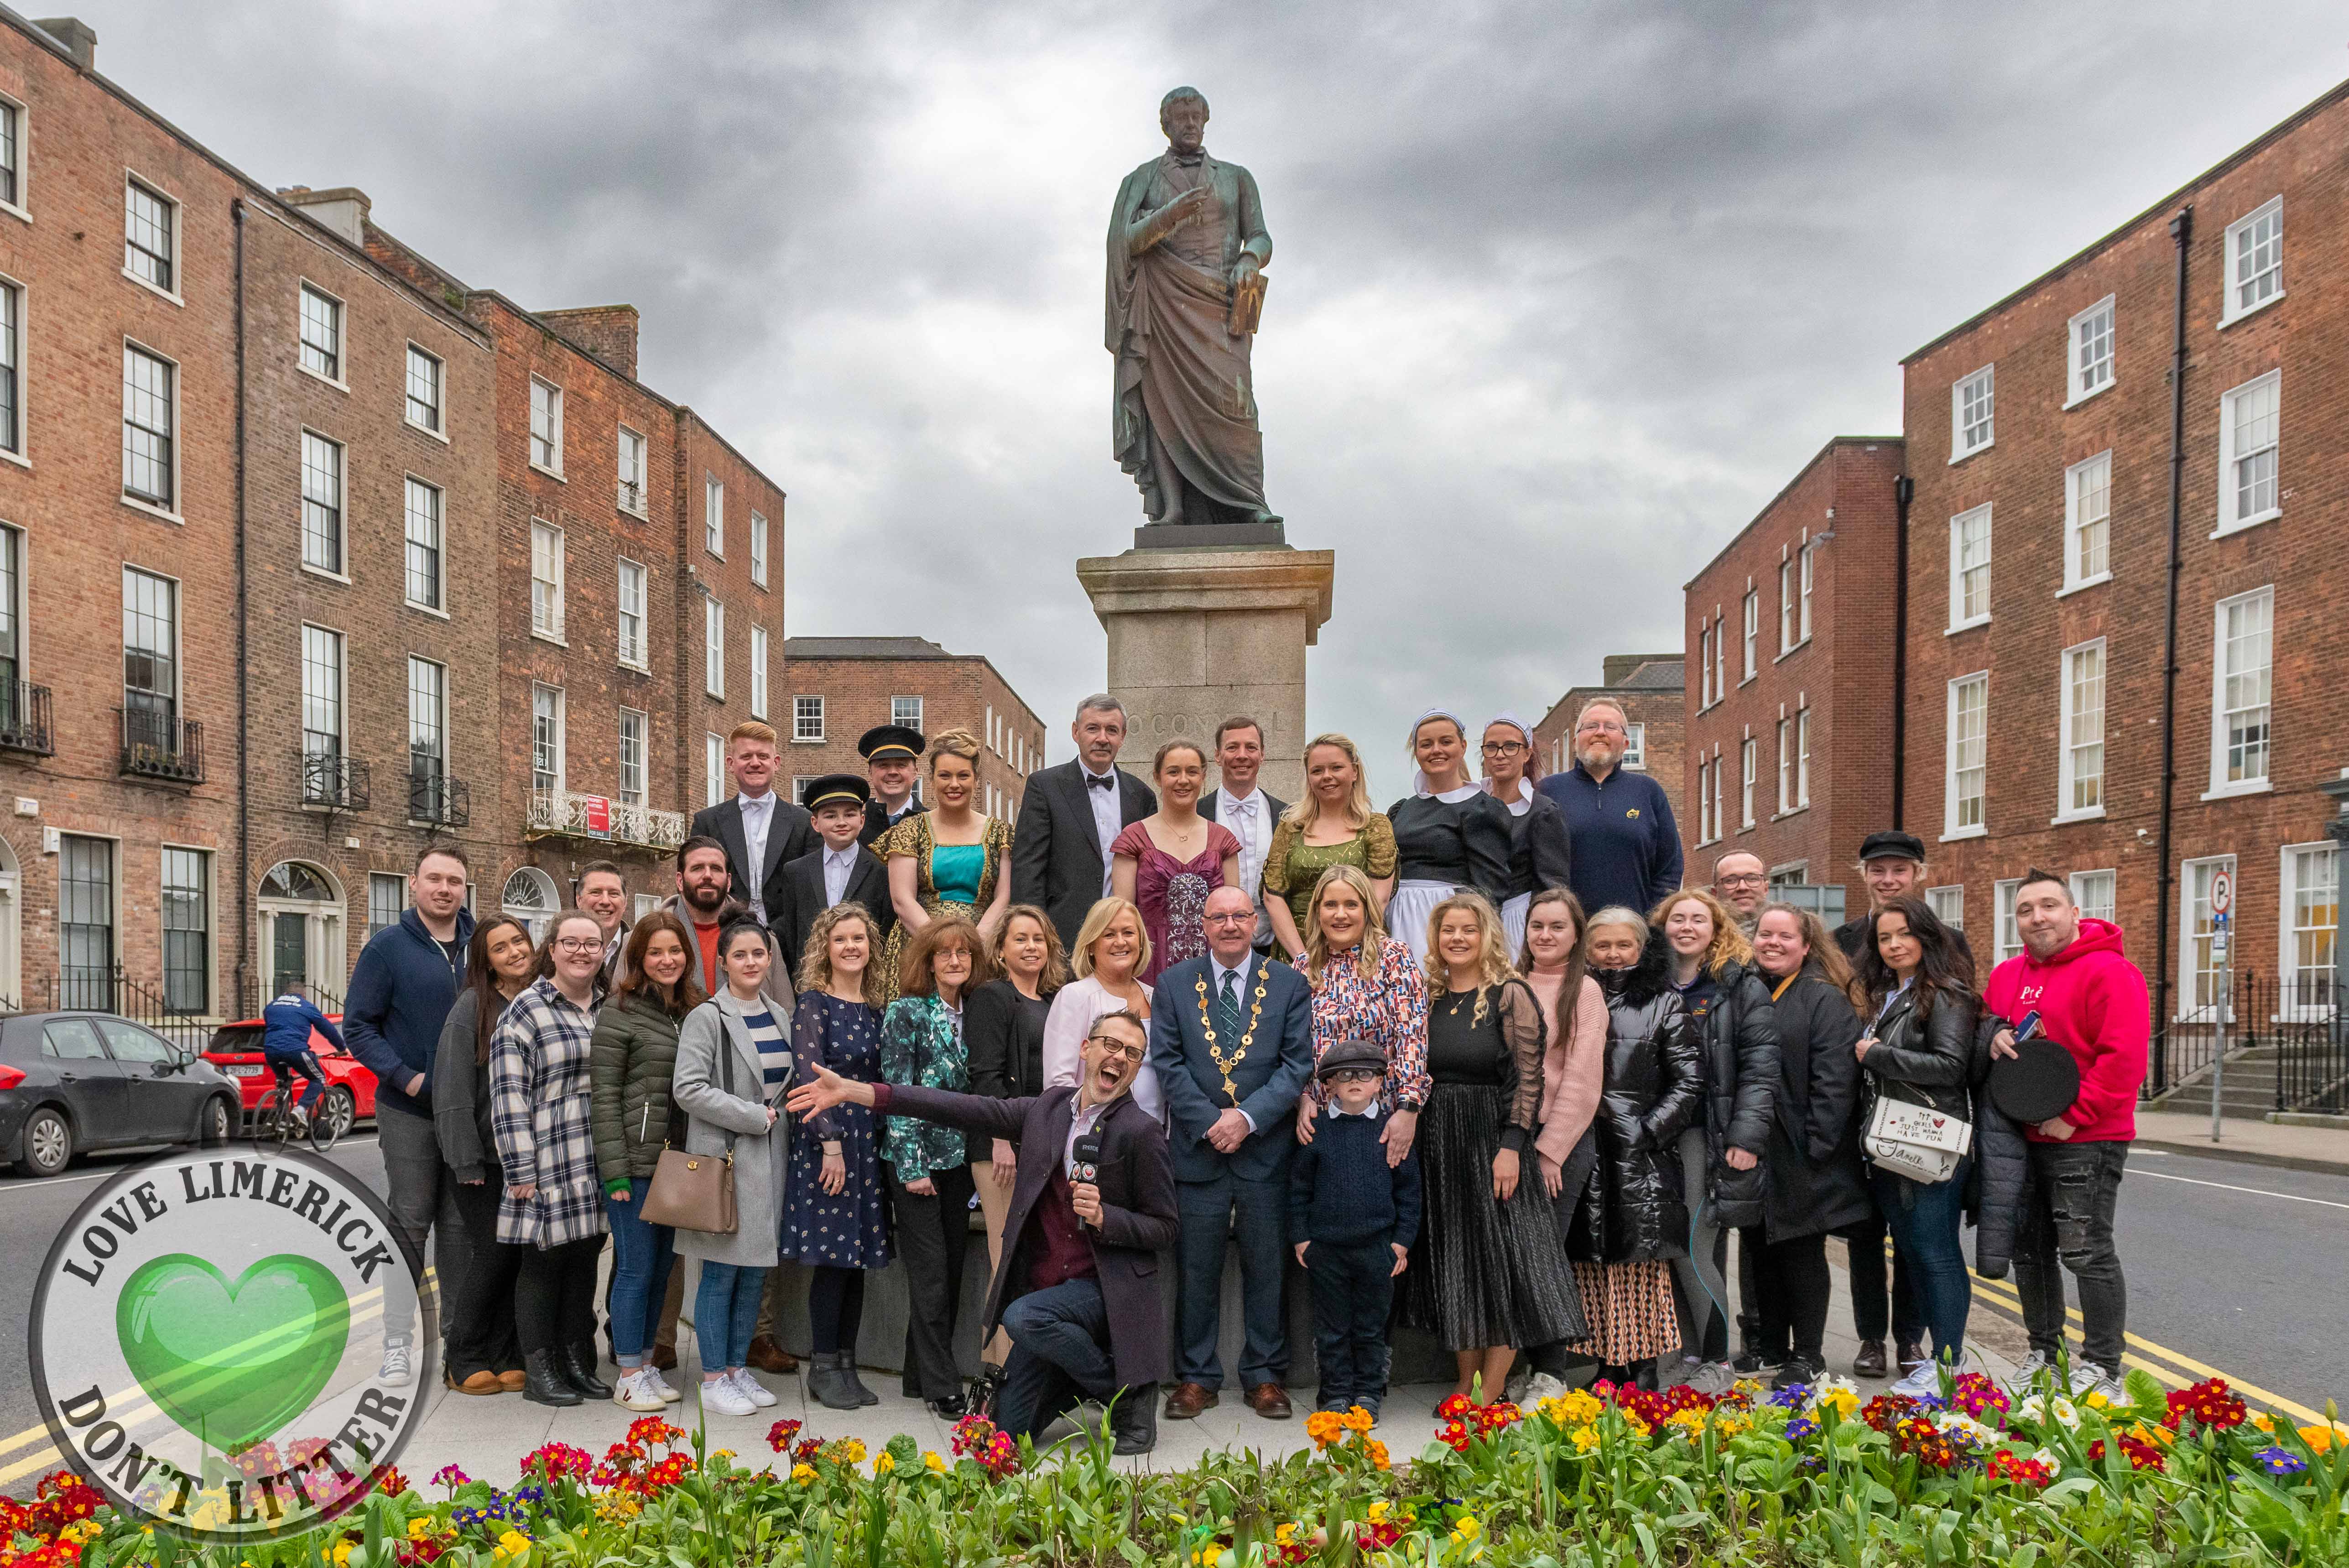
(1063,1251)
(1173,894)
(708,936)
(2092,1002)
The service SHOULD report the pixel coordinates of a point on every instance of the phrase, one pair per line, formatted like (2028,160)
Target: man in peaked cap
(892,760)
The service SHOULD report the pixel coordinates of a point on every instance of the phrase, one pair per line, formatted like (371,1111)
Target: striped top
(774,1051)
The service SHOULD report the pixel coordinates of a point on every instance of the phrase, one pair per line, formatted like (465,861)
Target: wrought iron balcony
(568,814)
(157,745)
(337,783)
(436,798)
(25,719)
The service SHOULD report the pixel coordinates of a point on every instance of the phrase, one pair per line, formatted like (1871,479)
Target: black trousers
(1791,1285)
(932,1234)
(1353,1286)
(480,1299)
(555,1294)
(1865,1242)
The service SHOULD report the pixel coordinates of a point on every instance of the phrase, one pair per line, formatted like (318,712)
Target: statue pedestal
(1197,636)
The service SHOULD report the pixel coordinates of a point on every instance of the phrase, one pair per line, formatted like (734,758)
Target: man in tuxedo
(1245,810)
(761,832)
(1091,1208)
(892,760)
(1071,815)
(839,871)
(1231,1037)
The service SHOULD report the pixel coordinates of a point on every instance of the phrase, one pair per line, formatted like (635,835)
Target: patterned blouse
(921,1044)
(1292,866)
(1390,1010)
(539,1113)
(912,837)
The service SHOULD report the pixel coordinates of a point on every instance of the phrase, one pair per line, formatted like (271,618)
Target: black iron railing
(440,800)
(158,746)
(337,783)
(25,719)
(111,990)
(2282,1032)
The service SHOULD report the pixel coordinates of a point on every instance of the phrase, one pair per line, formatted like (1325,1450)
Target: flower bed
(1612,1475)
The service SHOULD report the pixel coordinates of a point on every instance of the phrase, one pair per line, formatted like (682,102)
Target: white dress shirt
(758,814)
(1249,820)
(1108,815)
(1081,1121)
(837,865)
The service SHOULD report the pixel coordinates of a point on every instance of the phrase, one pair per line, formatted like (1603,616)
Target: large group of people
(1481,1065)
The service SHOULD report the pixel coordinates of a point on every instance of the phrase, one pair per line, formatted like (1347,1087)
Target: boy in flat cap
(892,760)
(1359,1220)
(838,870)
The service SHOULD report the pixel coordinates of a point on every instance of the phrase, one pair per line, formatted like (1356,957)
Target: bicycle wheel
(323,1128)
(264,1122)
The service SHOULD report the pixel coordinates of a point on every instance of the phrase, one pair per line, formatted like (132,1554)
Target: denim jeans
(642,1255)
(725,1314)
(1926,1250)
(2074,1188)
(1060,1350)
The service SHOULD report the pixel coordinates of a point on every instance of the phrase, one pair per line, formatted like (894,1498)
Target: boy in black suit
(1359,1220)
(839,871)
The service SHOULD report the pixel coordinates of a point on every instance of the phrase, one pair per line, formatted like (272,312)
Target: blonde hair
(1493,965)
(1374,927)
(955,741)
(1728,945)
(1358,809)
(1097,920)
(815,963)
(1056,961)
(750,729)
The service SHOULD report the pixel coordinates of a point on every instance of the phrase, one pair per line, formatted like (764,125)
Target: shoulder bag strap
(725,1074)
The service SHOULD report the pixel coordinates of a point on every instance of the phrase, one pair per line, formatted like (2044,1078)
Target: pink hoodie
(2091,1001)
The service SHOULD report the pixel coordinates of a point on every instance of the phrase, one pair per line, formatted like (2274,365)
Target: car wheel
(219,1123)
(339,1111)
(49,1143)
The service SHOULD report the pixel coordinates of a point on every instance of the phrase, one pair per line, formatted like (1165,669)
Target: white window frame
(2232,521)
(2190,971)
(1752,635)
(2078,481)
(2006,932)
(22,207)
(1719,798)
(12,297)
(560,715)
(634,645)
(1703,663)
(803,732)
(438,715)
(1635,747)
(2291,1006)
(1786,766)
(172,211)
(758,672)
(1951,804)
(167,510)
(438,545)
(1960,621)
(713,649)
(2084,892)
(1806,562)
(439,428)
(303,292)
(1802,758)
(1786,607)
(713,515)
(1948,904)
(2085,373)
(548,548)
(758,550)
(898,714)
(1749,763)
(2071,719)
(626,437)
(632,773)
(713,768)
(340,697)
(340,573)
(551,405)
(1704,801)
(2221,787)
(2230,306)
(1720,655)
(1986,380)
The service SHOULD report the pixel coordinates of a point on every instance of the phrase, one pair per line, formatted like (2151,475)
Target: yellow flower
(1376,1453)
(1690,1422)
(1282,1534)
(419,1528)
(1358,1420)
(1584,1438)
(1843,1401)
(1729,1424)
(851,1450)
(342,1552)
(1576,1407)
(2321,1439)
(1465,1528)
(512,1544)
(883,1463)
(803,1474)
(1378,1512)
(721,1453)
(931,1461)
(2097,1401)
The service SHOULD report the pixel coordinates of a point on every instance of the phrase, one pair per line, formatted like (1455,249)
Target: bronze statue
(1186,251)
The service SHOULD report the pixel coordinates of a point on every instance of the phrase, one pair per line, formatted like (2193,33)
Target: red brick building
(839,687)
(1790,746)
(1650,689)
(2054,574)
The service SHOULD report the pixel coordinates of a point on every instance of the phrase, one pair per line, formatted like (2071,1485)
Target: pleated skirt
(1483,1272)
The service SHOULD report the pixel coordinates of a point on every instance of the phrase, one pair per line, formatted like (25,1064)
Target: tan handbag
(696,1192)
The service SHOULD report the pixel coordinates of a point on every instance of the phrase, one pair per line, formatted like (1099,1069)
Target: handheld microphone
(1084,1160)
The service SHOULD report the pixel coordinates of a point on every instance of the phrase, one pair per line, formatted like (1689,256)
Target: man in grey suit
(1247,813)
(1231,1038)
(761,832)
(1071,815)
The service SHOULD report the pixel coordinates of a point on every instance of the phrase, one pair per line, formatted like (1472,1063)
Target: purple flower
(1801,1427)
(2279,1461)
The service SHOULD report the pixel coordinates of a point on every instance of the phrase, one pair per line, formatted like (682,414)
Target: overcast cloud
(1561,294)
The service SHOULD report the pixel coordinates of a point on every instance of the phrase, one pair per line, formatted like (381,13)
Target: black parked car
(77,1081)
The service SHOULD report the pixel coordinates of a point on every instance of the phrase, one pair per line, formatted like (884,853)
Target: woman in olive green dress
(1332,826)
(950,858)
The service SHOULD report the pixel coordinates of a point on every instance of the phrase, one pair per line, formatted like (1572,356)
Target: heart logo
(233,1363)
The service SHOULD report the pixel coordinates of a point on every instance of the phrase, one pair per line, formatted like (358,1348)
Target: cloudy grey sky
(1562,294)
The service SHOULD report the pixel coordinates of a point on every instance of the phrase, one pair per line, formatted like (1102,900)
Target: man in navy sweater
(1359,1220)
(1627,848)
(402,988)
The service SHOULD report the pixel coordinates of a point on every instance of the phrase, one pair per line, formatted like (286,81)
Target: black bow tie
(1099,781)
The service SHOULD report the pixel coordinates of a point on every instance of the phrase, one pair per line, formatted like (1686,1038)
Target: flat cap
(1348,1054)
(1892,843)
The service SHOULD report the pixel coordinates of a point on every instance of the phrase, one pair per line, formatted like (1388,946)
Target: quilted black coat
(1741,1085)
(1654,1087)
(1813,1180)
(1999,1193)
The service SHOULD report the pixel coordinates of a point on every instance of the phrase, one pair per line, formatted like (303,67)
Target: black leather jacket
(1925,1060)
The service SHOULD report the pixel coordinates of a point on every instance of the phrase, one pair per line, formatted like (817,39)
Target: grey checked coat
(539,1111)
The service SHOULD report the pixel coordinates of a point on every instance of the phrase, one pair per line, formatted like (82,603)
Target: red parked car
(235,1050)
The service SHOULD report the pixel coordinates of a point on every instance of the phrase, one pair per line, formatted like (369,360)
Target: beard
(1598,756)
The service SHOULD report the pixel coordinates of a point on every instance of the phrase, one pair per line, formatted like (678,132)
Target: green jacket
(630,1062)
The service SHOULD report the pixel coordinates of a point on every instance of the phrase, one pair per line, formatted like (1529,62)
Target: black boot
(1134,1420)
(826,1384)
(544,1382)
(578,1365)
(846,1362)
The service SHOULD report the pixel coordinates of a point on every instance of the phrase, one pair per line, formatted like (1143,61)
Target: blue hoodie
(286,1024)
(401,990)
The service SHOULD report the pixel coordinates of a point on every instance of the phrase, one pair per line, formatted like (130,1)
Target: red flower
(389,1481)
(2142,1455)
(779,1435)
(1454,1435)
(2210,1402)
(1453,1406)
(554,1460)
(2032,1473)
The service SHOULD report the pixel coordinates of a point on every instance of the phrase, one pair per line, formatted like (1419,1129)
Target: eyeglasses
(1749,879)
(1117,1047)
(1357,1075)
(1231,917)
(1503,747)
(1598,726)
(579,944)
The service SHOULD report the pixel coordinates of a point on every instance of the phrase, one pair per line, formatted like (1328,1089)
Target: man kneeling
(1092,1209)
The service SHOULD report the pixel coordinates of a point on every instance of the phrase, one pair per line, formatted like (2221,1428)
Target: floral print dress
(850,1229)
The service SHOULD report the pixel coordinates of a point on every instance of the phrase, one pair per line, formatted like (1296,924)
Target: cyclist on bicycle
(287,1023)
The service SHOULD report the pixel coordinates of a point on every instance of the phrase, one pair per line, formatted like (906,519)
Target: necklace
(1462,998)
(1214,1046)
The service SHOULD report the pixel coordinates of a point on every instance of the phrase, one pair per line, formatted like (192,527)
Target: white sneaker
(2090,1379)
(659,1385)
(399,1370)
(751,1388)
(1925,1378)
(719,1396)
(632,1392)
(2028,1369)
(1542,1386)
